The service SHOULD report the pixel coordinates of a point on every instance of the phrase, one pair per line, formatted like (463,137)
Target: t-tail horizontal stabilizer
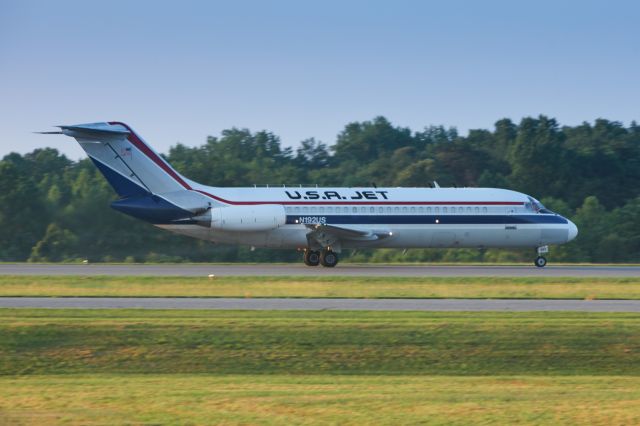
(130,165)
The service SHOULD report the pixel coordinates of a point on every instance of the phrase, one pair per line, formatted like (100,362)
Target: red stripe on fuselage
(366,202)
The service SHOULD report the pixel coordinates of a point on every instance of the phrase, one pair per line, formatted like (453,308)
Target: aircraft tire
(540,262)
(311,258)
(328,258)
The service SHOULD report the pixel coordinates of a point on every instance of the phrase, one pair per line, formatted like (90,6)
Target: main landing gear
(326,258)
(541,261)
(311,257)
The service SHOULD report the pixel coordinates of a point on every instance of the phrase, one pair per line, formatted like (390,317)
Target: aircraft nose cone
(573,231)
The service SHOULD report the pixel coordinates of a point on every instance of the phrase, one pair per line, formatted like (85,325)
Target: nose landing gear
(541,261)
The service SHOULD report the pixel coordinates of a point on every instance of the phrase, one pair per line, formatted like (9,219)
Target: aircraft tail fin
(131,166)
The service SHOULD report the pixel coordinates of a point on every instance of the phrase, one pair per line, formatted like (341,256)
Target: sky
(180,71)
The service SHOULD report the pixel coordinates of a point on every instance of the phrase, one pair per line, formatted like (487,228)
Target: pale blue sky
(179,71)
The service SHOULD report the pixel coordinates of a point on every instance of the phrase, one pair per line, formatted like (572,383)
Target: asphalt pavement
(301,270)
(283,304)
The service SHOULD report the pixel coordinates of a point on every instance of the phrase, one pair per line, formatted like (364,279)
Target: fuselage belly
(404,236)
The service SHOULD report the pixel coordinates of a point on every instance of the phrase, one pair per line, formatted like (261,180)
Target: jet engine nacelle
(261,217)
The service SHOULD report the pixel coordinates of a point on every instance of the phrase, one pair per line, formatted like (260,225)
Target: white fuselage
(411,217)
(321,221)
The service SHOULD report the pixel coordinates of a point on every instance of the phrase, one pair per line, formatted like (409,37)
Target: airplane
(320,222)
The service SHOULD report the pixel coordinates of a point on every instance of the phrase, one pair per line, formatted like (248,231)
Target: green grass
(283,399)
(353,287)
(279,367)
(346,260)
(343,343)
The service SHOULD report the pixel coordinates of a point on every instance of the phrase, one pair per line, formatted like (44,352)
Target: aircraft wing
(333,232)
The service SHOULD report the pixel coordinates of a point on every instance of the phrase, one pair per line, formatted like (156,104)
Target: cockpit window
(536,206)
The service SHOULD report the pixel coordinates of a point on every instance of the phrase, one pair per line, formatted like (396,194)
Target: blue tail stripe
(123,186)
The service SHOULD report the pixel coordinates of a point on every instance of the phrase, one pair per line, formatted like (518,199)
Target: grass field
(239,367)
(361,287)
(275,342)
(283,399)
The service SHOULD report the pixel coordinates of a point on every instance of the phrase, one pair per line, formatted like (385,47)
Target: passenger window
(388,209)
(397,209)
(305,209)
(321,209)
(429,210)
(329,209)
(421,209)
(404,209)
(444,210)
(372,210)
(413,209)
(355,210)
(468,209)
(484,210)
(477,209)
(363,209)
(460,209)
(437,209)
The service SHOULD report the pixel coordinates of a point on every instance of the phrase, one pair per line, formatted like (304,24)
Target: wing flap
(351,233)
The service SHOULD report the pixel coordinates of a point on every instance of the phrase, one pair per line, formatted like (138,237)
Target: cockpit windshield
(536,206)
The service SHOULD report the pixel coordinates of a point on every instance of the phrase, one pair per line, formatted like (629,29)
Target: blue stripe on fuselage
(426,219)
(162,216)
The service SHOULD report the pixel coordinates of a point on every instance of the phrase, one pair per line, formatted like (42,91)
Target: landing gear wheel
(540,262)
(328,259)
(311,258)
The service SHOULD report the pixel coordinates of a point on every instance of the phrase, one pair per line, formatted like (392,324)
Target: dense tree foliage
(55,209)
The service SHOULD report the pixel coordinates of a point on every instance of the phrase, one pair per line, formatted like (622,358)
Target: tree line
(56,209)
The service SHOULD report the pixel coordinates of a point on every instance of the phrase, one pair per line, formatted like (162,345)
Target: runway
(281,304)
(301,270)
